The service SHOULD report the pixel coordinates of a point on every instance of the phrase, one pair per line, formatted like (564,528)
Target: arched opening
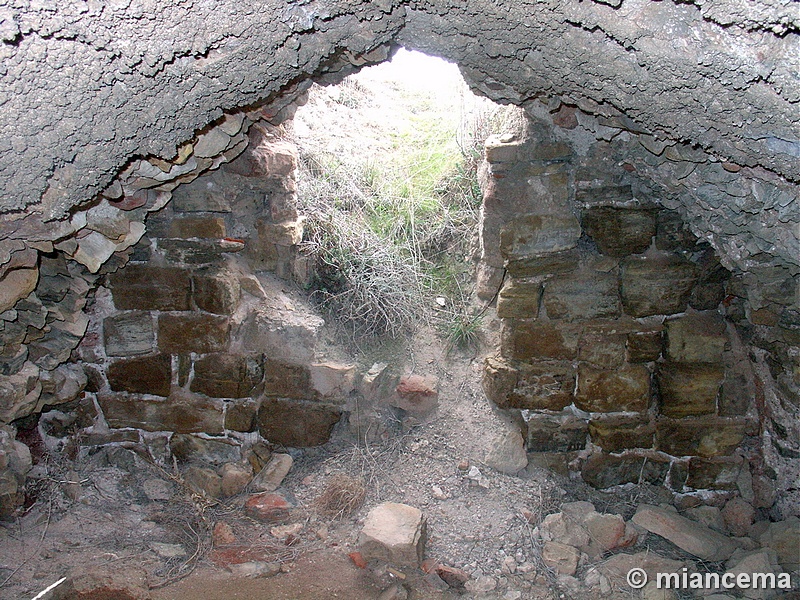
(591,181)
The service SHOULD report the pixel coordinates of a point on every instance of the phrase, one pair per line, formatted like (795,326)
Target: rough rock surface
(692,537)
(395,533)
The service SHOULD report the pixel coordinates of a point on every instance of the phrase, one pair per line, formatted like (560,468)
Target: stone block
(16,285)
(527,340)
(11,494)
(416,394)
(394,533)
(658,285)
(216,292)
(644,346)
(225,375)
(507,452)
(269,507)
(333,380)
(582,296)
(274,158)
(707,295)
(206,194)
(713,473)
(102,583)
(737,392)
(272,248)
(738,515)
(240,415)
(557,462)
(706,437)
(710,516)
(197,227)
(603,345)
(620,231)
(188,448)
(607,532)
(272,475)
(181,413)
(759,566)
(488,280)
(295,423)
(501,149)
(141,375)
(62,385)
(499,380)
(287,380)
(519,299)
(562,558)
(626,389)
(556,433)
(696,338)
(672,234)
(199,251)
(694,538)
(784,538)
(602,195)
(545,264)
(203,481)
(378,383)
(546,385)
(534,235)
(281,330)
(549,151)
(129,334)
(144,287)
(603,470)
(235,478)
(287,233)
(115,436)
(618,433)
(192,332)
(617,567)
(567,526)
(689,389)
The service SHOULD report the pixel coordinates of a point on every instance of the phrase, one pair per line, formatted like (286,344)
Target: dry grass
(359,279)
(392,203)
(343,495)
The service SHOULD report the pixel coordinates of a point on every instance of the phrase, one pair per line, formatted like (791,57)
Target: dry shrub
(342,496)
(360,279)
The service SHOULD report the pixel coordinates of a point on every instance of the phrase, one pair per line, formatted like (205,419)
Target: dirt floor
(114,512)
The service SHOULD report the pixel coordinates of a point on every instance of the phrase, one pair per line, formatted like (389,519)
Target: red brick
(267,506)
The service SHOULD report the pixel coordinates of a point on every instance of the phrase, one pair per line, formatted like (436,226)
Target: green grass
(395,226)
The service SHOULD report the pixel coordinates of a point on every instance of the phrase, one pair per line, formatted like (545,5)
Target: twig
(38,546)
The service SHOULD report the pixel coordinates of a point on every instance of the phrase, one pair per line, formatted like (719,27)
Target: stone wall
(622,334)
(186,338)
(695,106)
